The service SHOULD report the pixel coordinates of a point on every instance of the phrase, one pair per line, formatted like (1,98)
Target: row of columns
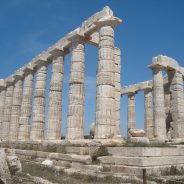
(17,109)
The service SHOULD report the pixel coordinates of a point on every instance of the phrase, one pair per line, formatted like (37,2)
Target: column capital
(108,21)
(9,81)
(156,67)
(2,84)
(28,69)
(132,93)
(148,89)
(18,76)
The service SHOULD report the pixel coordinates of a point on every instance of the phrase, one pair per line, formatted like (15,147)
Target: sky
(149,28)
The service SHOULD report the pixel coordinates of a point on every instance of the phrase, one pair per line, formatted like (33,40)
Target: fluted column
(16,107)
(53,131)
(26,107)
(105,87)
(37,129)
(117,82)
(7,109)
(75,121)
(177,103)
(158,102)
(131,111)
(2,104)
(148,113)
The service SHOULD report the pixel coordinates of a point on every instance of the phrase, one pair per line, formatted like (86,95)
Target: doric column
(16,106)
(26,107)
(75,121)
(177,103)
(117,82)
(53,131)
(131,111)
(37,129)
(158,102)
(7,109)
(148,113)
(2,103)
(105,85)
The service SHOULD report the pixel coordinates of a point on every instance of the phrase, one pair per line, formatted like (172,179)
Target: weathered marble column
(7,108)
(2,103)
(37,130)
(158,102)
(75,121)
(53,131)
(148,113)
(26,107)
(16,106)
(105,85)
(131,111)
(117,82)
(177,103)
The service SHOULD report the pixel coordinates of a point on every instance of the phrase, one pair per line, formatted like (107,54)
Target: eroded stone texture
(148,113)
(177,104)
(159,109)
(37,130)
(26,107)
(105,95)
(53,131)
(2,104)
(131,111)
(16,107)
(75,121)
(7,110)
(117,83)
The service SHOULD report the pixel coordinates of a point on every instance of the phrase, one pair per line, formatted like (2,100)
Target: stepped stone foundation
(33,131)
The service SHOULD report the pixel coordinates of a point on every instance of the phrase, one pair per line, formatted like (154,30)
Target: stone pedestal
(158,102)
(131,111)
(177,104)
(26,107)
(16,107)
(148,113)
(117,83)
(2,104)
(37,130)
(7,110)
(105,86)
(53,131)
(75,121)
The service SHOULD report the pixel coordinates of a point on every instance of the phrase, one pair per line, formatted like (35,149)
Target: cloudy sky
(149,28)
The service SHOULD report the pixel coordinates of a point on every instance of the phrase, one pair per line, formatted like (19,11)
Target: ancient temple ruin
(163,94)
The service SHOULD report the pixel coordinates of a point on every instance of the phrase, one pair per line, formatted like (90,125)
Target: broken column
(117,83)
(26,107)
(2,103)
(53,131)
(105,85)
(177,103)
(7,108)
(158,102)
(75,121)
(148,113)
(131,111)
(16,106)
(37,130)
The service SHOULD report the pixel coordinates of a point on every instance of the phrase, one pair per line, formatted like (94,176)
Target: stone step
(141,161)
(146,151)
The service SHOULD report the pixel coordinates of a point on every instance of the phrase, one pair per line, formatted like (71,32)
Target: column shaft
(55,100)
(148,113)
(177,104)
(37,130)
(105,89)
(75,121)
(159,107)
(7,112)
(26,107)
(16,107)
(117,82)
(2,105)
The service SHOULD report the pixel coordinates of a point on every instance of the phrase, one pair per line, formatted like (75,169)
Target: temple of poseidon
(23,117)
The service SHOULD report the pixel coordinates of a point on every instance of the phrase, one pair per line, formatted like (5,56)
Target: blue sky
(149,28)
